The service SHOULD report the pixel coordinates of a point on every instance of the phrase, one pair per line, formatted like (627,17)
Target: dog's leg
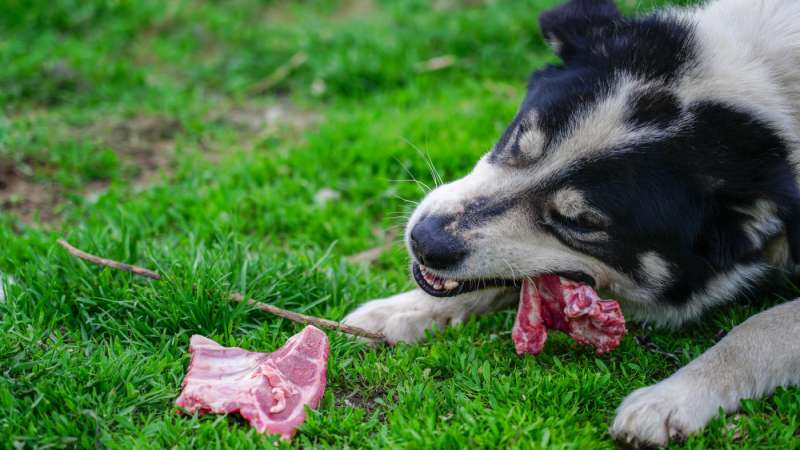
(406,316)
(751,361)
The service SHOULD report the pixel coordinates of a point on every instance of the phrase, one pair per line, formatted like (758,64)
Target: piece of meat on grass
(270,390)
(552,302)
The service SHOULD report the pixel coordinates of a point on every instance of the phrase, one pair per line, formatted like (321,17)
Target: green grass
(143,121)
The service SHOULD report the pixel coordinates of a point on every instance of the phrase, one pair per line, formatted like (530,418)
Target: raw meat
(552,302)
(270,390)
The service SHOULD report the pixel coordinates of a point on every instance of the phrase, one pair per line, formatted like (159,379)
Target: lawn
(257,146)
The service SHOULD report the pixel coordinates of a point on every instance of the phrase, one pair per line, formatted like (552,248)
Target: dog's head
(611,174)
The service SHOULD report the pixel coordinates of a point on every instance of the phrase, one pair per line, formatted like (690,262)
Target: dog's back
(749,50)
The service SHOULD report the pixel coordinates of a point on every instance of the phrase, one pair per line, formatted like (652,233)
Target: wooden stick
(280,312)
(141,271)
(302,318)
(280,74)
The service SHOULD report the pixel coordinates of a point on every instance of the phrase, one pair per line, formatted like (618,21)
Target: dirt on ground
(368,401)
(261,119)
(145,145)
(23,197)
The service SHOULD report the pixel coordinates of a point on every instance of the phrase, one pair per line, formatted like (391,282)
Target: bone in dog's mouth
(439,286)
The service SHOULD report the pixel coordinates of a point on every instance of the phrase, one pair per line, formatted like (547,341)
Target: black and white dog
(658,162)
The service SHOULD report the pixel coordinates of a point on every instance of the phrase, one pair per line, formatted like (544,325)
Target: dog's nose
(433,246)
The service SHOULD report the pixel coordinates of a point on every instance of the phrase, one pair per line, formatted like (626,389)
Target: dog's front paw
(402,318)
(670,410)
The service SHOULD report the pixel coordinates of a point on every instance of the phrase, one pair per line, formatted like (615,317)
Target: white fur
(407,316)
(532,142)
(765,223)
(719,290)
(655,268)
(668,410)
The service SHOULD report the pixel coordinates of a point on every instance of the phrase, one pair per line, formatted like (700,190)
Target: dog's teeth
(436,281)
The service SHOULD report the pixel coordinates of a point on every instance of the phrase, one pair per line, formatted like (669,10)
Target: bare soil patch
(256,122)
(144,144)
(147,143)
(23,197)
(368,401)
(355,9)
(268,119)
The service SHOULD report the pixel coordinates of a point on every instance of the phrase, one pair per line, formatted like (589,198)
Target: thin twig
(283,71)
(302,318)
(437,63)
(141,271)
(280,312)
(651,346)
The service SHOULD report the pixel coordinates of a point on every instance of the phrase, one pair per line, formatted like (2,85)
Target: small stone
(318,87)
(325,195)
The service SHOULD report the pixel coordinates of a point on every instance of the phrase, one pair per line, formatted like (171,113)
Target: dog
(657,161)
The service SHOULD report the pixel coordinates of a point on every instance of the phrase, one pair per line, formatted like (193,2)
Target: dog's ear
(570,28)
(724,239)
(732,234)
(787,194)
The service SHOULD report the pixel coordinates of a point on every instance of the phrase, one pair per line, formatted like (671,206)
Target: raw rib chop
(268,389)
(552,302)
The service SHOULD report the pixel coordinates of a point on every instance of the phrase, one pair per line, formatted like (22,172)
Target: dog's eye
(584,222)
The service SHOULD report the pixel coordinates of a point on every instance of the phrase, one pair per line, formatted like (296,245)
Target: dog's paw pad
(655,415)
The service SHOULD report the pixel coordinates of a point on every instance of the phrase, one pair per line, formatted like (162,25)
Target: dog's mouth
(438,286)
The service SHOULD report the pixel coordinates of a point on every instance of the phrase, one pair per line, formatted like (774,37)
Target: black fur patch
(482,210)
(656,49)
(655,107)
(574,26)
(659,197)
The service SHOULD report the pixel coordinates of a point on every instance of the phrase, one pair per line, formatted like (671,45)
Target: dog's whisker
(399,216)
(410,202)
(422,186)
(511,268)
(437,178)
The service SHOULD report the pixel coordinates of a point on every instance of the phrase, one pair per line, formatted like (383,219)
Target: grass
(143,131)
